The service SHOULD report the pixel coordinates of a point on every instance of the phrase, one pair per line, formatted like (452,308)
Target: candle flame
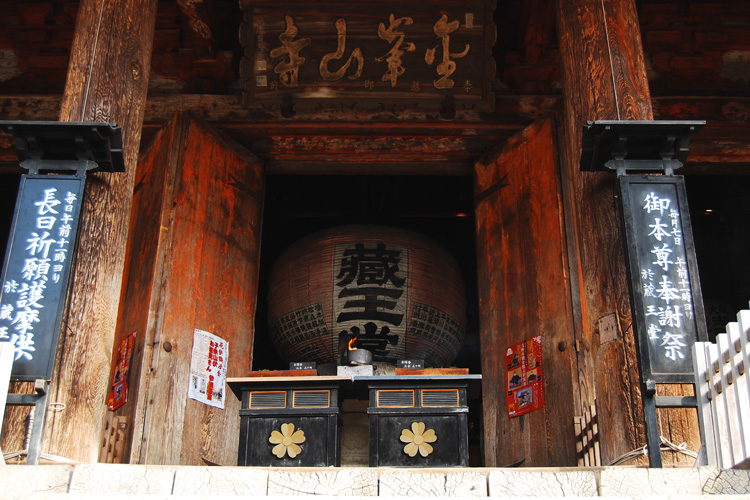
(351,344)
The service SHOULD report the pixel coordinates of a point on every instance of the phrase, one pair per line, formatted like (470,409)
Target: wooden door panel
(523,292)
(192,263)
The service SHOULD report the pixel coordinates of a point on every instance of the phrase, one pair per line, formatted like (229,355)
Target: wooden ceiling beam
(510,111)
(723,146)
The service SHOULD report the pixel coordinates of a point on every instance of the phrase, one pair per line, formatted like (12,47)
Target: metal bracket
(676,402)
(628,146)
(650,404)
(80,167)
(649,388)
(67,146)
(39,402)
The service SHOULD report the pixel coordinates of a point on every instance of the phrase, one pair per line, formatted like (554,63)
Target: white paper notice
(208,369)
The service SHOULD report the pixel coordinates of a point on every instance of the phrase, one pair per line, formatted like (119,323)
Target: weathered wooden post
(604,77)
(107,81)
(192,262)
(665,292)
(520,245)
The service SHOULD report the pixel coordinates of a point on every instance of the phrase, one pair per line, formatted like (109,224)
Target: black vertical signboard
(665,292)
(36,271)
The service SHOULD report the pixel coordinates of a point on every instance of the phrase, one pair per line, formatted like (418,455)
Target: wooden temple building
(248,124)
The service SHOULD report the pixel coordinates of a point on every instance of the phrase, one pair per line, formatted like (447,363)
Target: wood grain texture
(604,78)
(15,419)
(633,99)
(203,271)
(597,265)
(523,292)
(722,147)
(679,425)
(107,81)
(144,262)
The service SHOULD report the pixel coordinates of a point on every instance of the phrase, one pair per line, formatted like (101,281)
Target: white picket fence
(723,393)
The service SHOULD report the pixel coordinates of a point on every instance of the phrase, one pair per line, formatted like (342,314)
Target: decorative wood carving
(198,16)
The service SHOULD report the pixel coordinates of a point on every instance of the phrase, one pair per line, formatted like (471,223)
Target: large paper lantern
(400,293)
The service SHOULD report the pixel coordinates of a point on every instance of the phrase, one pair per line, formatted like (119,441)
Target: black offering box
(418,421)
(289,421)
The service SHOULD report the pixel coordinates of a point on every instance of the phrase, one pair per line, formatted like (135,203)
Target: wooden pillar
(604,78)
(107,82)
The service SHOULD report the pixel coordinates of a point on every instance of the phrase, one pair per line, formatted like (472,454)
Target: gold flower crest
(418,439)
(287,441)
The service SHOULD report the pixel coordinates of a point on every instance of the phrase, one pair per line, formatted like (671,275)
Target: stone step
(143,481)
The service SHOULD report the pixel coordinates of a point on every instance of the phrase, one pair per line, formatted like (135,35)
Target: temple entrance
(438,207)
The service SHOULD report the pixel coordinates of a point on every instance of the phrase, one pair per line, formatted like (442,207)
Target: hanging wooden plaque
(36,271)
(369,53)
(668,314)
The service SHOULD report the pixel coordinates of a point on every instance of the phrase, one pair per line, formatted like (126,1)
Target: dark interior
(438,207)
(720,216)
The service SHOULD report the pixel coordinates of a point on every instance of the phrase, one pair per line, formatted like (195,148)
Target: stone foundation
(131,481)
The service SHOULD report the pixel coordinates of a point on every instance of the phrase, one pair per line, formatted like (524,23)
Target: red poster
(118,394)
(525,384)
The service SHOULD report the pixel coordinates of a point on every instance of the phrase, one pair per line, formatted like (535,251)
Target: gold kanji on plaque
(446,67)
(369,53)
(395,37)
(288,69)
(356,55)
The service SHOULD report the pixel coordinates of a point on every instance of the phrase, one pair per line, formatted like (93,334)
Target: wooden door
(192,262)
(524,291)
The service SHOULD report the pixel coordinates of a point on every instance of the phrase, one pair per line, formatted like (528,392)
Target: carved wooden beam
(511,110)
(199,16)
(723,146)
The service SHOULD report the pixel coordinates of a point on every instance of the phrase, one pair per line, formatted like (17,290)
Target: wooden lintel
(401,168)
(512,112)
(445,148)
